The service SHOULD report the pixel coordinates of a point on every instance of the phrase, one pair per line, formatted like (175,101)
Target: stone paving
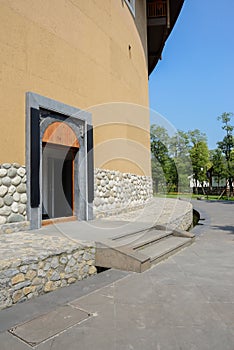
(33,247)
(33,263)
(39,245)
(183,303)
(161,211)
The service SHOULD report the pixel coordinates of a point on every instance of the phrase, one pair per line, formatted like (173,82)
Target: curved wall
(81,53)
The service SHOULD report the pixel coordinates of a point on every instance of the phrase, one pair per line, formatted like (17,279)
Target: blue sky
(194,82)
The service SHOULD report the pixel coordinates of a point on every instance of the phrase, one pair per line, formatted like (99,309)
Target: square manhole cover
(48,325)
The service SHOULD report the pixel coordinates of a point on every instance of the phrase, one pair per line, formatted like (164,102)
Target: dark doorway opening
(57,181)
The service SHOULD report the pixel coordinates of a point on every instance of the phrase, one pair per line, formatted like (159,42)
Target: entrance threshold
(58,220)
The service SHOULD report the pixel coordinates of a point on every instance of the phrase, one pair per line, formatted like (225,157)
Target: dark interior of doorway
(58,181)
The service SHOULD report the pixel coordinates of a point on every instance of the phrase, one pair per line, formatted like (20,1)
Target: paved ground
(54,238)
(184,303)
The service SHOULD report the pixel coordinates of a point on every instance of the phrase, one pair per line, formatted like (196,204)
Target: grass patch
(192,196)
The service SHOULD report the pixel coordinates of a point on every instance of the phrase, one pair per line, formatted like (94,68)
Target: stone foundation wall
(116,192)
(185,221)
(27,277)
(13,197)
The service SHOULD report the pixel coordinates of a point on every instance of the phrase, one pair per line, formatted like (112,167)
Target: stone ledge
(40,265)
(15,227)
(111,212)
(169,212)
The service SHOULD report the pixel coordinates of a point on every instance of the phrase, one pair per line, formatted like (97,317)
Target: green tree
(159,181)
(227,145)
(179,144)
(163,166)
(218,165)
(176,158)
(179,151)
(199,154)
(195,136)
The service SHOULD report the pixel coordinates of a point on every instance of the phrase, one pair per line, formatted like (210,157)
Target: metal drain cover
(48,325)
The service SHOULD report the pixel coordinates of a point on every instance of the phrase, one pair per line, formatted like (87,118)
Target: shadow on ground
(229,229)
(218,201)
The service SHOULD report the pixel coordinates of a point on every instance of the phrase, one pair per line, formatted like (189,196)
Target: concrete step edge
(171,251)
(122,259)
(122,235)
(155,240)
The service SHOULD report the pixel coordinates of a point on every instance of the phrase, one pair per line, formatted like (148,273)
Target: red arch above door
(60,133)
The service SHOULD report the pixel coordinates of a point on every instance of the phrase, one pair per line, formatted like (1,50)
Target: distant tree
(179,150)
(159,180)
(158,150)
(232,164)
(163,166)
(227,145)
(179,144)
(196,136)
(199,154)
(219,170)
(176,158)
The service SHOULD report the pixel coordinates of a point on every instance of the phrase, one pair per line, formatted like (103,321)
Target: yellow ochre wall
(76,52)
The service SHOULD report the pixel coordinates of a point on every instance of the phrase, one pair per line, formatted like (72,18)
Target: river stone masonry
(116,192)
(13,197)
(38,264)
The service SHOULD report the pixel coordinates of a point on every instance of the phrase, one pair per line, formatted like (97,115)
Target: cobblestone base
(117,192)
(13,197)
(34,264)
(15,227)
(183,222)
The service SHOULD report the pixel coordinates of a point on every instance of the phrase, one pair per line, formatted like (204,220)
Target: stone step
(137,252)
(152,237)
(143,238)
(122,258)
(164,248)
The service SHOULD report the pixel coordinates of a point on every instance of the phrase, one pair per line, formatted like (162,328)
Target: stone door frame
(50,111)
